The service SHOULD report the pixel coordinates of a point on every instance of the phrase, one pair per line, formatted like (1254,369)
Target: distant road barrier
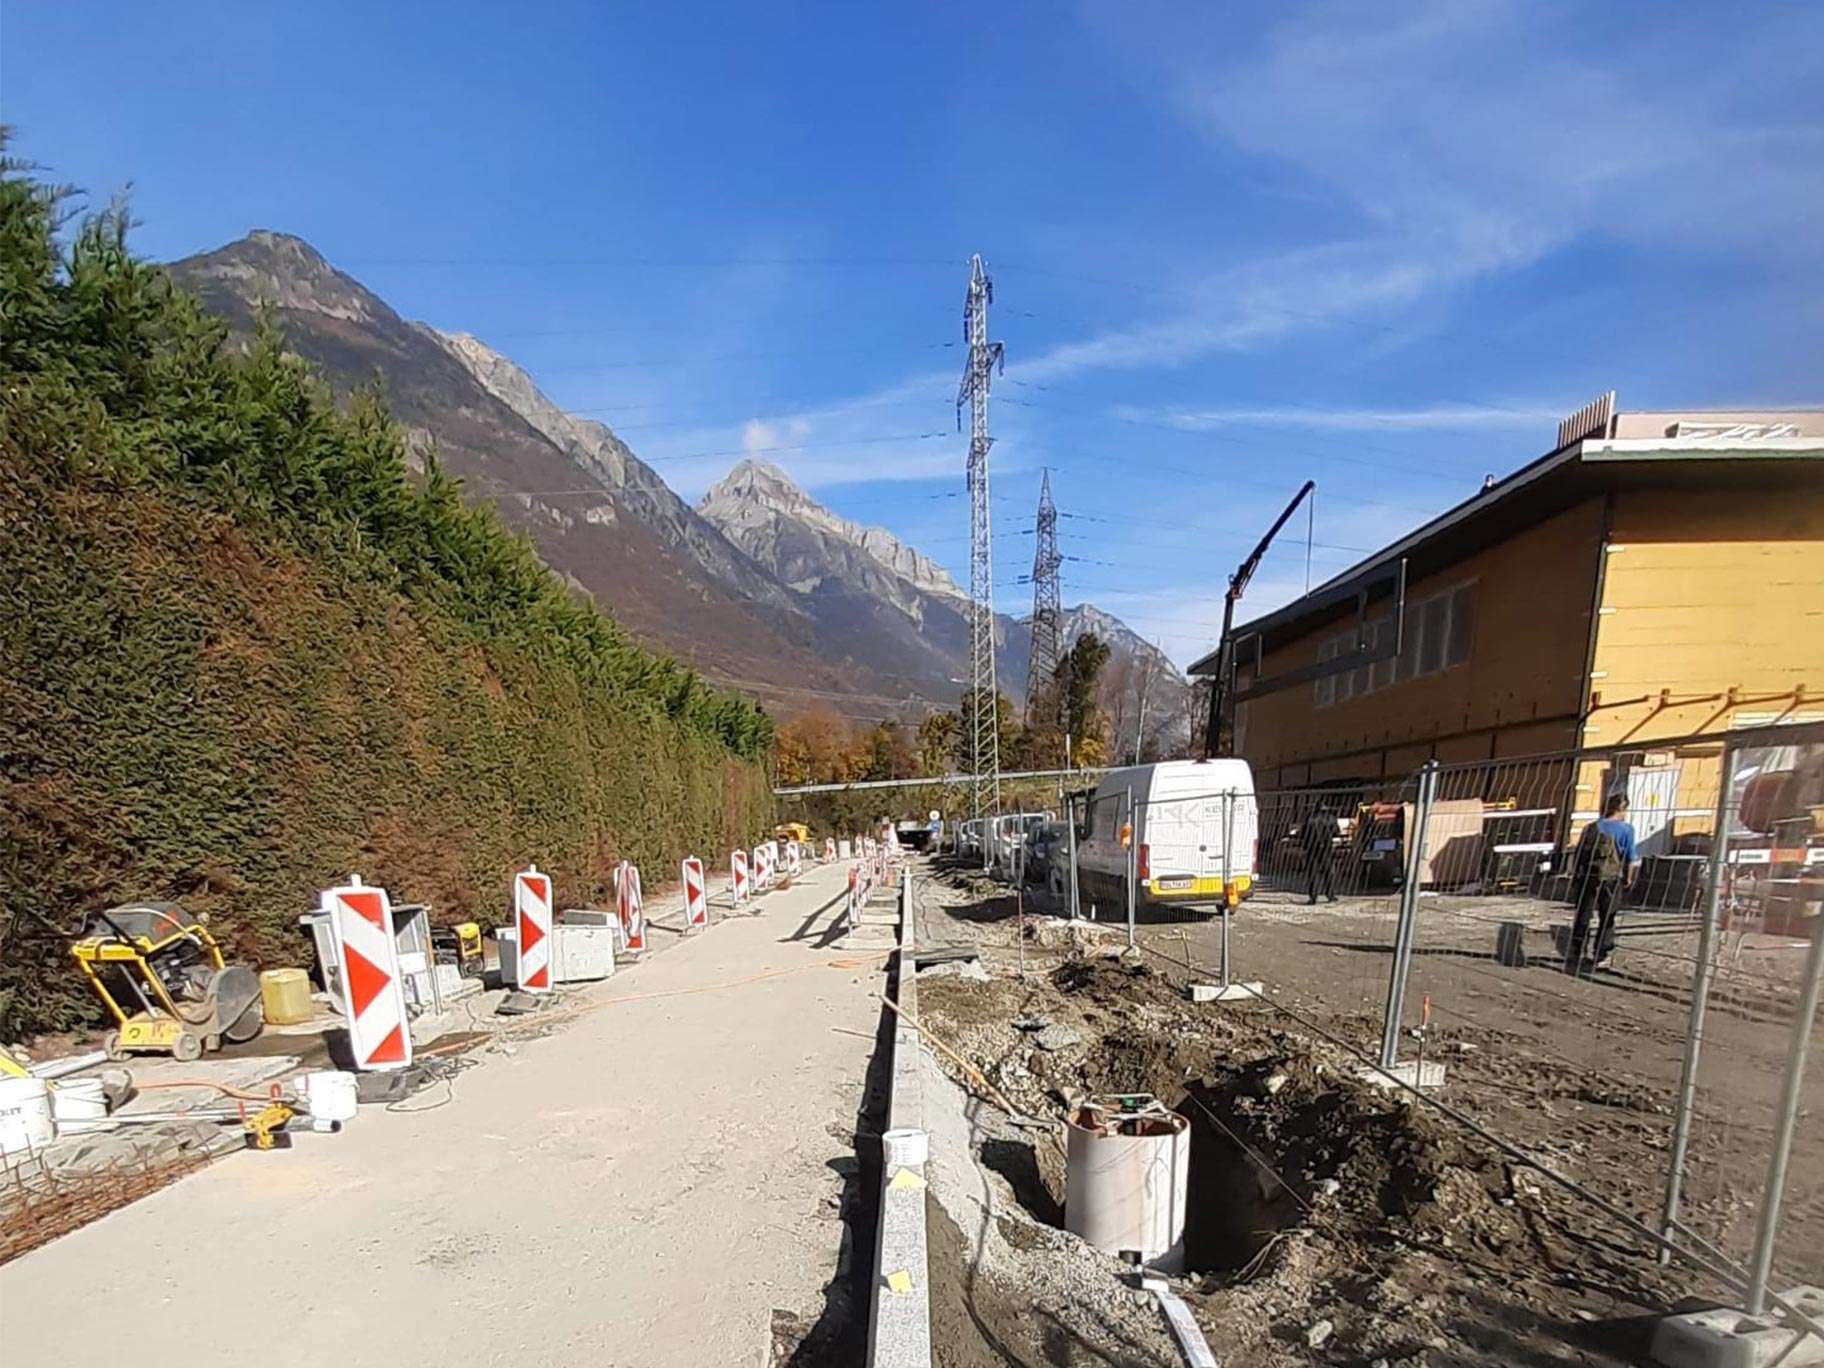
(935,781)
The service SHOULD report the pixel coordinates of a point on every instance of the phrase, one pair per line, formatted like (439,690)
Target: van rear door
(1183,835)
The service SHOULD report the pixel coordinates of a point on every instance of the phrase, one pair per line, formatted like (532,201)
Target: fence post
(1760,1264)
(1700,998)
(1409,915)
(1133,846)
(1228,846)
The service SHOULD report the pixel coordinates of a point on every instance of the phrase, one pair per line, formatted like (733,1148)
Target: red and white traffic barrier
(532,927)
(629,905)
(829,849)
(696,895)
(367,957)
(794,860)
(738,878)
(763,866)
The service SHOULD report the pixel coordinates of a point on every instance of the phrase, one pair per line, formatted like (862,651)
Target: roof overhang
(1546,486)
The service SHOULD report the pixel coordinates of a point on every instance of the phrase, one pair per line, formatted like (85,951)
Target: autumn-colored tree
(937,742)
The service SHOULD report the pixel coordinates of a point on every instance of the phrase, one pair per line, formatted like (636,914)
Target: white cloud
(1458,141)
(1508,129)
(1432,418)
(1261,302)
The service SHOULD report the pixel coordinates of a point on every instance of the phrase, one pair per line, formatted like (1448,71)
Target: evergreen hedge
(245,650)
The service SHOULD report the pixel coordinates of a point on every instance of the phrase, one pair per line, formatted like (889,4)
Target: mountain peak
(763,478)
(288,272)
(751,502)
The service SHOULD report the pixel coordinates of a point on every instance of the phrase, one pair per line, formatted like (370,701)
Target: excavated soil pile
(1327,1222)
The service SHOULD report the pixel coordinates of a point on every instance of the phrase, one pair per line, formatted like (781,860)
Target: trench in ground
(1234,1207)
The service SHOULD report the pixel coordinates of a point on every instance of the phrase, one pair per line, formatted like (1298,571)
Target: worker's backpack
(1598,856)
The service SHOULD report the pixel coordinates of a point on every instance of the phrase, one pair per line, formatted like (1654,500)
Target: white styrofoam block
(1727,1338)
(1407,1073)
(1235,992)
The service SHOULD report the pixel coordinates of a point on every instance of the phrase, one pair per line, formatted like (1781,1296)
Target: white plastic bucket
(79,1105)
(331,1095)
(25,1115)
(905,1147)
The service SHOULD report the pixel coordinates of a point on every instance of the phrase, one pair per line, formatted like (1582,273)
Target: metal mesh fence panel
(1312,880)
(1558,961)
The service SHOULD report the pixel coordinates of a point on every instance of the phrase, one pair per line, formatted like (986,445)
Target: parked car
(1011,833)
(1048,859)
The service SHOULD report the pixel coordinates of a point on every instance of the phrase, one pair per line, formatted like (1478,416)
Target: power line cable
(742,451)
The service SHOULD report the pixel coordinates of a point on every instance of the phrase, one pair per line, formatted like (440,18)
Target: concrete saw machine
(164,964)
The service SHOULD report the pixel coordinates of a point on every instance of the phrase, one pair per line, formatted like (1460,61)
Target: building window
(1440,633)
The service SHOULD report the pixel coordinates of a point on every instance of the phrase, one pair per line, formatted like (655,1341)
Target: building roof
(1665,449)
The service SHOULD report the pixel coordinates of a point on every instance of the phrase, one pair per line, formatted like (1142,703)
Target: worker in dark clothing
(1604,859)
(1318,839)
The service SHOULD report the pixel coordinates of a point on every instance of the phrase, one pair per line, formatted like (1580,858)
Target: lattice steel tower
(984,358)
(1047,608)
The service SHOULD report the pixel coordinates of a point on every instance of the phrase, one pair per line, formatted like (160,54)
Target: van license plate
(1177,881)
(1384,844)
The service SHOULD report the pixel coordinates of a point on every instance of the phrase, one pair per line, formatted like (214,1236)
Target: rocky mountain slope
(597,515)
(638,487)
(759,585)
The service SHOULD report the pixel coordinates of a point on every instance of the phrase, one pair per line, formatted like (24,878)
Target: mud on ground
(1314,1198)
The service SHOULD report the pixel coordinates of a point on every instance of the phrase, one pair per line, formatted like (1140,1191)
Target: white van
(1179,819)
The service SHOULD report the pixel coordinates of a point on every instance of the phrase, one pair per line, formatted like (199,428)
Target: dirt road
(642,1186)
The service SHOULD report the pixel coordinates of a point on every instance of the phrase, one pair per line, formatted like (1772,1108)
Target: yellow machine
(792,831)
(166,962)
(265,1128)
(459,945)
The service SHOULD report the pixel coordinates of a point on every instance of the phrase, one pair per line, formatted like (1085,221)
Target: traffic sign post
(628,903)
(696,895)
(367,957)
(532,927)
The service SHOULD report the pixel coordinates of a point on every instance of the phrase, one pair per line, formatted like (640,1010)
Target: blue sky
(1381,246)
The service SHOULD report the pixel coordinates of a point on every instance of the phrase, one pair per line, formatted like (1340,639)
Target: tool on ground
(459,945)
(161,958)
(266,1127)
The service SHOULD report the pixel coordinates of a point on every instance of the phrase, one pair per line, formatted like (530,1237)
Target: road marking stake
(628,904)
(532,925)
(696,896)
(737,870)
(361,919)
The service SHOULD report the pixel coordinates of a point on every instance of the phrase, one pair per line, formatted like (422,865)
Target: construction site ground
(658,1169)
(1330,1221)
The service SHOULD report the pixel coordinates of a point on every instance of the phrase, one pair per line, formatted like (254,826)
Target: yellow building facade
(1659,576)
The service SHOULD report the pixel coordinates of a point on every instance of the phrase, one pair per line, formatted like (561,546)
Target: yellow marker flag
(900,1282)
(905,1178)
